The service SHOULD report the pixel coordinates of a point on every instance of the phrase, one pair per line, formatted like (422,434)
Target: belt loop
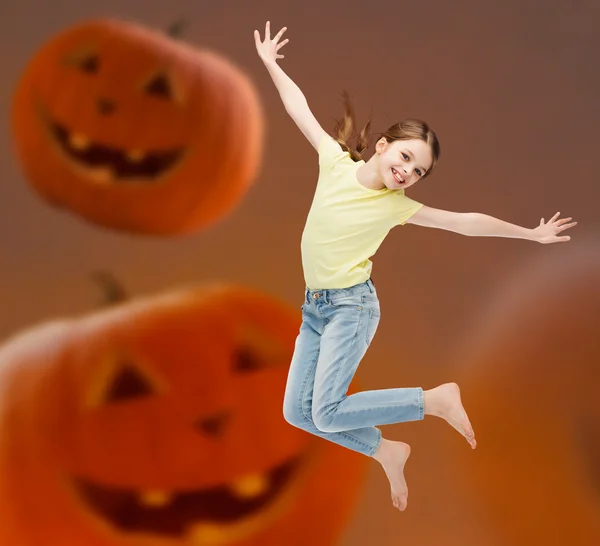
(371,285)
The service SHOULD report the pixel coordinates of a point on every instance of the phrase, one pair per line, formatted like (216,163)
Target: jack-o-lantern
(159,422)
(532,375)
(135,131)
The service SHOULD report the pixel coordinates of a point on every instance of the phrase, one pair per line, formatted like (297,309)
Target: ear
(381,145)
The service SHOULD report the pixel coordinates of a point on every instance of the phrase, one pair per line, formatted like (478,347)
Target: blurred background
(511,90)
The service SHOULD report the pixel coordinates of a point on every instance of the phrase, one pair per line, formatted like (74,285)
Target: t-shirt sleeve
(406,208)
(330,152)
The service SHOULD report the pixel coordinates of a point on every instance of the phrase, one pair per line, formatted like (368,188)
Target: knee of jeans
(322,419)
(293,414)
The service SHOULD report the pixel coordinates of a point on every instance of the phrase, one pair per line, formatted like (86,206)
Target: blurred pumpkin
(531,372)
(136,131)
(158,422)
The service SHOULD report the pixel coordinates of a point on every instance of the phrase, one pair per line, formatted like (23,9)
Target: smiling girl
(356,204)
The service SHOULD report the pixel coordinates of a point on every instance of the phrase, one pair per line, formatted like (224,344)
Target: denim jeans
(337,328)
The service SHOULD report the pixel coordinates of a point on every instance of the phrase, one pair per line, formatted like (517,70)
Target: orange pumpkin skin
(532,384)
(159,422)
(135,131)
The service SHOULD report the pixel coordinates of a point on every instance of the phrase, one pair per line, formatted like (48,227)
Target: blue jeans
(337,328)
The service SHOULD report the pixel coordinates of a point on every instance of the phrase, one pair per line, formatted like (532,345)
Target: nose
(106,106)
(213,424)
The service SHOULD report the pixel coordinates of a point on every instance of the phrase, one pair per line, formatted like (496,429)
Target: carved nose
(213,425)
(106,106)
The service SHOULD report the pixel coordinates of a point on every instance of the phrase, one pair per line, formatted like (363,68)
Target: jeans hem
(374,448)
(368,449)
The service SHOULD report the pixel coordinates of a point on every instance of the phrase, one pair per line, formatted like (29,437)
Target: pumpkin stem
(176,29)
(113,291)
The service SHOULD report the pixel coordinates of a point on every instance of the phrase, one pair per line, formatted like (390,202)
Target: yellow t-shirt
(347,222)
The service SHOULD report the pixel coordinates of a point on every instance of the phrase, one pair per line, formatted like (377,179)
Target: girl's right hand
(268,49)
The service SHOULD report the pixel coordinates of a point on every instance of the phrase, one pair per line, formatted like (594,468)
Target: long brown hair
(345,133)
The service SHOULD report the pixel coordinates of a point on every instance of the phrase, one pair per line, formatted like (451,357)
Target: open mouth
(397,177)
(105,164)
(215,515)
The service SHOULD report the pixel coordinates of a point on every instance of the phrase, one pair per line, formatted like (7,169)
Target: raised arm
(475,224)
(293,99)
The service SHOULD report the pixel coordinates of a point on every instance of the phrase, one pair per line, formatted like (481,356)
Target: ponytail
(411,128)
(344,131)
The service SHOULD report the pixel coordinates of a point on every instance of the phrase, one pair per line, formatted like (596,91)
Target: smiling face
(135,131)
(402,163)
(114,164)
(160,422)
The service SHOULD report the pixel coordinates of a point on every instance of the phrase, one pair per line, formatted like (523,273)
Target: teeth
(136,155)
(155,498)
(203,534)
(250,486)
(79,141)
(101,175)
(397,175)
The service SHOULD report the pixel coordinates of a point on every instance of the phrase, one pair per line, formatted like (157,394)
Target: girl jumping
(355,205)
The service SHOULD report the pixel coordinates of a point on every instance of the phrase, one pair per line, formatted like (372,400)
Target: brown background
(510,87)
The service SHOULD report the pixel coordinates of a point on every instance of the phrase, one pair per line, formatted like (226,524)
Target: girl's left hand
(547,233)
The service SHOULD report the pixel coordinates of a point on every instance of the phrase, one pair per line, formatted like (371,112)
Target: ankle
(434,400)
(389,451)
(382,450)
(429,402)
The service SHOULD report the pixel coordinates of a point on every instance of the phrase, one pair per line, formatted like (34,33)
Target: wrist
(531,235)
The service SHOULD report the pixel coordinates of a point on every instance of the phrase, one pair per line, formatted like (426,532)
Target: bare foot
(444,401)
(392,456)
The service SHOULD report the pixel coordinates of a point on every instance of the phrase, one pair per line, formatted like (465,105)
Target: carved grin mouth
(104,164)
(215,515)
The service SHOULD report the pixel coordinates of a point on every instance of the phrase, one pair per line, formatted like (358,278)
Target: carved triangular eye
(245,360)
(128,383)
(257,349)
(159,86)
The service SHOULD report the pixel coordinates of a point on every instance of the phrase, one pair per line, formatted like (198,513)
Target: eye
(406,158)
(159,86)
(245,360)
(127,383)
(418,171)
(89,64)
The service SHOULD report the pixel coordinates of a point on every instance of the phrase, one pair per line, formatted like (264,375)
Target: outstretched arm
(476,224)
(293,99)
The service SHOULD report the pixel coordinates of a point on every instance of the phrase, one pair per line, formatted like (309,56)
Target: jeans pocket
(372,323)
(353,301)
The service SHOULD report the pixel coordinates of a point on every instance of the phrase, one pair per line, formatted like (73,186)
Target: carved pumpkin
(135,131)
(532,382)
(158,422)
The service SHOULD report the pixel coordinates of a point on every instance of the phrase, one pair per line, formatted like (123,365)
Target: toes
(467,427)
(469,435)
(399,502)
